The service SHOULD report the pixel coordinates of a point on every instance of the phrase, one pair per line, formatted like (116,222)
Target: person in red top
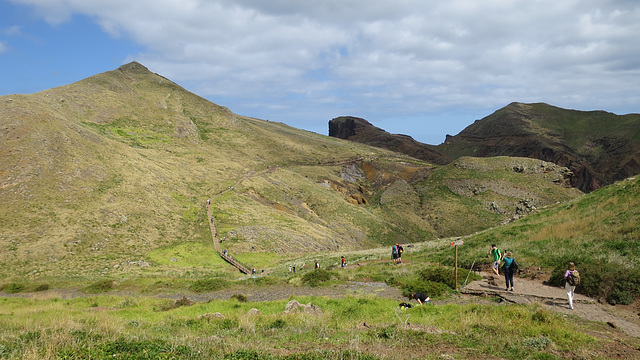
(343,262)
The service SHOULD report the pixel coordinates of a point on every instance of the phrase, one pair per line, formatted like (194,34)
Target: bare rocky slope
(599,147)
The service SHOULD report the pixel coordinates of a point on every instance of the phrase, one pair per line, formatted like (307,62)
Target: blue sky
(424,68)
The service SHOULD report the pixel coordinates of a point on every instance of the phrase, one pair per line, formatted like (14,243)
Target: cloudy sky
(425,68)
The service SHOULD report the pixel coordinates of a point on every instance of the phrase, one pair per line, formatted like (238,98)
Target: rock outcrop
(598,147)
(362,131)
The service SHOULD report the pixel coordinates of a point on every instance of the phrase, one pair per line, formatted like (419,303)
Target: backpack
(394,250)
(574,278)
(514,265)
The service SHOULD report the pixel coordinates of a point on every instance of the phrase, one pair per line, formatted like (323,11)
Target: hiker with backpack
(510,267)
(572,279)
(394,253)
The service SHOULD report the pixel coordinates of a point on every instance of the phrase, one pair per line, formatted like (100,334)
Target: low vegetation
(130,165)
(109,327)
(599,232)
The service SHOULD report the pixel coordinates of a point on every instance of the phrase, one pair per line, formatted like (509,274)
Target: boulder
(295,306)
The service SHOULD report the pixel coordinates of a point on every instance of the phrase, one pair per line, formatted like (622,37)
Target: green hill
(599,147)
(109,177)
(600,232)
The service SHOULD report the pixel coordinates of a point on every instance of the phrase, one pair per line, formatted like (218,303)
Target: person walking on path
(343,262)
(497,257)
(510,266)
(570,282)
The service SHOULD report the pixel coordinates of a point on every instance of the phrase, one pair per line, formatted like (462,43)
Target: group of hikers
(396,253)
(510,266)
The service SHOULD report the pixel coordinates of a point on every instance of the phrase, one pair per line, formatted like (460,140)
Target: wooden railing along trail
(216,244)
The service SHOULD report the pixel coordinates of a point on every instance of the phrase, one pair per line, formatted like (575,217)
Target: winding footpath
(552,298)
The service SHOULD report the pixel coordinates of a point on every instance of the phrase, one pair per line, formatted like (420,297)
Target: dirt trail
(555,299)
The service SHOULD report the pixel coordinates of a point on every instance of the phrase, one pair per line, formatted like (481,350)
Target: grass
(136,326)
(103,327)
(130,159)
(599,232)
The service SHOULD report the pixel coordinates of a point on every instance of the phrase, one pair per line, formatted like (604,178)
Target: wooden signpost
(456,244)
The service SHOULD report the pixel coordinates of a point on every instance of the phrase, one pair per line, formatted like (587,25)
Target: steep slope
(599,147)
(600,232)
(109,177)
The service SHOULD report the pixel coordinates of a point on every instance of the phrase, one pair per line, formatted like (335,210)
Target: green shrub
(446,275)
(316,277)
(209,285)
(239,298)
(431,288)
(602,280)
(126,349)
(42,287)
(276,324)
(262,281)
(12,288)
(100,286)
(433,280)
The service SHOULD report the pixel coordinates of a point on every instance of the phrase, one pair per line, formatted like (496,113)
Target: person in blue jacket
(510,265)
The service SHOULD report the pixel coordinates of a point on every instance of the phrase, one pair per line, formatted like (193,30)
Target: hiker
(294,269)
(510,266)
(394,253)
(289,268)
(400,251)
(572,278)
(317,265)
(495,253)
(421,298)
(343,262)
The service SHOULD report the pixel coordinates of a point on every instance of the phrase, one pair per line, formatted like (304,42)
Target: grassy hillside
(599,147)
(599,232)
(108,177)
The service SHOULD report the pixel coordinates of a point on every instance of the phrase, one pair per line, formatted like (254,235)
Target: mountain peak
(133,67)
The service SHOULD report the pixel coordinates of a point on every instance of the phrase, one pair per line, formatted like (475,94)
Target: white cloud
(379,57)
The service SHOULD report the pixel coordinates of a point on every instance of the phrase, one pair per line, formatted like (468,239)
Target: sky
(423,68)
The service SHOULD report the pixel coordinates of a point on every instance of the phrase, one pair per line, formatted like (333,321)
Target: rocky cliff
(599,147)
(360,130)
